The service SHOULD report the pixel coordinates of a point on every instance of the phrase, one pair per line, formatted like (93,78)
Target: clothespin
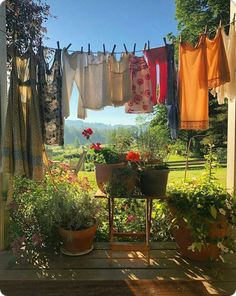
(68,46)
(114,47)
(58,45)
(220,24)
(148,44)
(205,30)
(134,48)
(126,51)
(145,46)
(88,48)
(104,49)
(82,49)
(164,39)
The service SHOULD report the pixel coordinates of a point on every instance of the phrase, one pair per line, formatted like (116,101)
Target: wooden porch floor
(166,264)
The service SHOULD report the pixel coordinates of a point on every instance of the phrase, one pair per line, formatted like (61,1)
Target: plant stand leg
(147,230)
(111,217)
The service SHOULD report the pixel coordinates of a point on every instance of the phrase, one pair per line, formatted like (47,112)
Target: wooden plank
(153,245)
(220,288)
(103,274)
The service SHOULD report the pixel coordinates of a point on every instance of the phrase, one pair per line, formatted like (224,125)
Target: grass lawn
(173,176)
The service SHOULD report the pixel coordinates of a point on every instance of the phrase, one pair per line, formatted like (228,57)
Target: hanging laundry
(228,90)
(172,98)
(23,144)
(217,63)
(141,101)
(120,80)
(193,86)
(96,90)
(73,71)
(50,97)
(157,56)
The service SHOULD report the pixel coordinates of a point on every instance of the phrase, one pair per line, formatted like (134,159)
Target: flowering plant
(201,203)
(38,208)
(99,154)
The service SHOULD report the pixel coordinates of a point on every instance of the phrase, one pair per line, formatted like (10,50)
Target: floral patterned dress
(141,101)
(50,92)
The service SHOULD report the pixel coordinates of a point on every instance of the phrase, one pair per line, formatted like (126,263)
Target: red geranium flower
(87,133)
(133,156)
(96,147)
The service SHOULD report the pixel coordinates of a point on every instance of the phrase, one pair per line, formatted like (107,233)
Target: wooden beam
(231,140)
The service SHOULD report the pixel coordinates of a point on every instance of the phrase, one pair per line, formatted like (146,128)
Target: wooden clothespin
(104,49)
(148,44)
(68,46)
(164,39)
(58,45)
(82,49)
(88,48)
(113,50)
(145,46)
(126,51)
(134,48)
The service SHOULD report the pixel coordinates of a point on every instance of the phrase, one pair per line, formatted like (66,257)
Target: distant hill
(74,129)
(93,125)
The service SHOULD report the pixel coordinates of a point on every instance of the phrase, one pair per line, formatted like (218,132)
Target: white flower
(220,245)
(222,211)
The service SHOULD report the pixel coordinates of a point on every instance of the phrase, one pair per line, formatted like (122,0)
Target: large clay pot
(103,172)
(78,242)
(183,237)
(153,182)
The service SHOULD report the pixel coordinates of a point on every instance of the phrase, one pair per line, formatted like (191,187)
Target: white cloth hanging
(228,90)
(120,80)
(73,71)
(96,88)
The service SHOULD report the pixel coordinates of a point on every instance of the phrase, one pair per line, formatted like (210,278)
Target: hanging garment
(217,63)
(172,98)
(157,56)
(50,97)
(23,145)
(96,90)
(73,71)
(141,101)
(120,81)
(193,86)
(228,90)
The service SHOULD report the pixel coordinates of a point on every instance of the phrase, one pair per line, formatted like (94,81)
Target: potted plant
(105,160)
(62,208)
(74,208)
(204,214)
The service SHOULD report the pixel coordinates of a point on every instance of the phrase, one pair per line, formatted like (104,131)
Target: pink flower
(37,239)
(130,218)
(65,166)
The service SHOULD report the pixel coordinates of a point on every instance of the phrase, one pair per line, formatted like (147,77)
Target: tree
(25,19)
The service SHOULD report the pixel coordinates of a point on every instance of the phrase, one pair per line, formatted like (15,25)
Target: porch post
(231,140)
(3,106)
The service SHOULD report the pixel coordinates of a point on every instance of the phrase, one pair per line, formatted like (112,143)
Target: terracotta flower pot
(153,182)
(183,237)
(103,172)
(78,242)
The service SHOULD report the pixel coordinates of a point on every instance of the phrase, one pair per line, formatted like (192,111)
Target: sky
(109,22)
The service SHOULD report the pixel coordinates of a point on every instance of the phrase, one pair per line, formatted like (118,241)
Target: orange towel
(217,64)
(193,88)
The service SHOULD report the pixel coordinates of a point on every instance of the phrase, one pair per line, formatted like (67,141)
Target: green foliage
(105,155)
(25,20)
(40,208)
(121,138)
